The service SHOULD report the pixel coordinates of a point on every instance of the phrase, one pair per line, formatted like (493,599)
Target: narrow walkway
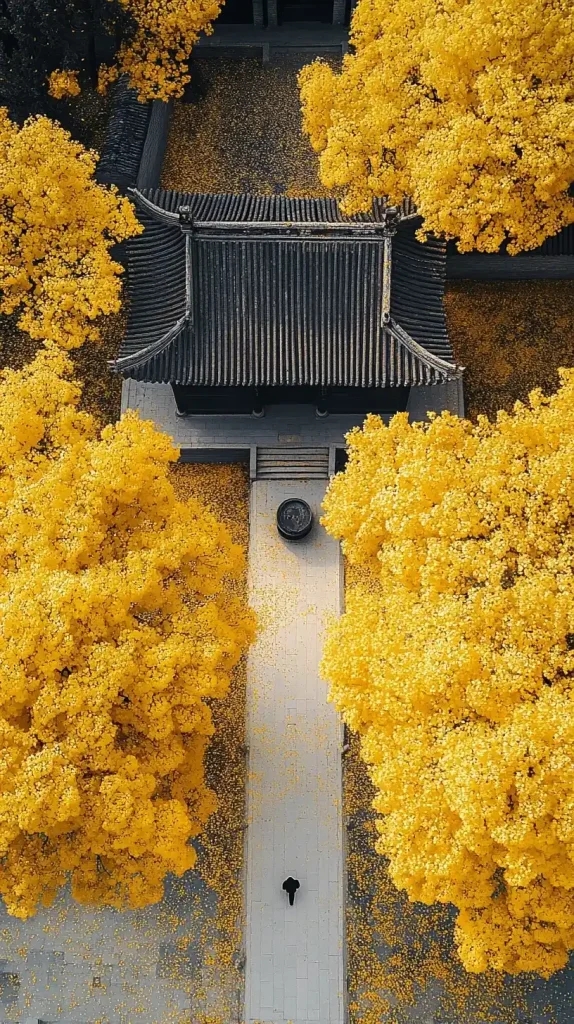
(294,955)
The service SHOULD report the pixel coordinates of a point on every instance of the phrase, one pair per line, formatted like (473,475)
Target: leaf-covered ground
(401,963)
(244,135)
(102,389)
(158,964)
(512,336)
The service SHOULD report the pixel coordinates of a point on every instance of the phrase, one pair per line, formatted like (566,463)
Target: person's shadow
(290,885)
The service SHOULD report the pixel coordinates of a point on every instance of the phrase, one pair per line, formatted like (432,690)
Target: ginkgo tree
(156,53)
(57,227)
(53,50)
(116,626)
(454,662)
(465,106)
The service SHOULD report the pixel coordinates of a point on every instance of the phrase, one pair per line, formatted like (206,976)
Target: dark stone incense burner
(294,519)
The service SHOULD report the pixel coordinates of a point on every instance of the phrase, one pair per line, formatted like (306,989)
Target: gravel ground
(245,134)
(512,336)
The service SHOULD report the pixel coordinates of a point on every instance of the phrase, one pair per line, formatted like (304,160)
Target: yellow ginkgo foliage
(155,54)
(63,84)
(115,626)
(57,226)
(465,106)
(454,662)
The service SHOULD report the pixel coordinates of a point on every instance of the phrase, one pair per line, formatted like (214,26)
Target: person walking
(290,885)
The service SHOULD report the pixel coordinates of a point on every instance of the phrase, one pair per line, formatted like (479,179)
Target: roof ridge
(241,206)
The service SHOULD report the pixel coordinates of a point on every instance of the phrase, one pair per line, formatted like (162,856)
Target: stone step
(292,463)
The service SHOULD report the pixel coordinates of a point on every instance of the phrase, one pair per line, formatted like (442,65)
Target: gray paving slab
(294,955)
(436,398)
(282,424)
(77,965)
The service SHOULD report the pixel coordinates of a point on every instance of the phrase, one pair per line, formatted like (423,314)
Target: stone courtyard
(308,798)
(72,965)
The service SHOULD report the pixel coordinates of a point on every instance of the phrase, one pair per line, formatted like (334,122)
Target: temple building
(242,302)
(273,13)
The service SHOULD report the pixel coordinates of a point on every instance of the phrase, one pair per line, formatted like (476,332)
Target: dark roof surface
(274,291)
(123,146)
(417,289)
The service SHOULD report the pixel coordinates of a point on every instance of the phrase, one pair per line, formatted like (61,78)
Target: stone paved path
(287,424)
(294,955)
(75,965)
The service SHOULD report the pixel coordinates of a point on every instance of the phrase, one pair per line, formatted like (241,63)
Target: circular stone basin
(294,518)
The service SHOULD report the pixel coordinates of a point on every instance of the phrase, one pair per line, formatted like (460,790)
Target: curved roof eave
(451,371)
(157,212)
(155,349)
(245,208)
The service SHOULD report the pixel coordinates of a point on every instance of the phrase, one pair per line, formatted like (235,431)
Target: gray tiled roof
(123,146)
(266,291)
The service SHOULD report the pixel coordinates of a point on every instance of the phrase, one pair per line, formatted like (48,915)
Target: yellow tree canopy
(156,53)
(454,661)
(466,106)
(63,84)
(115,626)
(57,226)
